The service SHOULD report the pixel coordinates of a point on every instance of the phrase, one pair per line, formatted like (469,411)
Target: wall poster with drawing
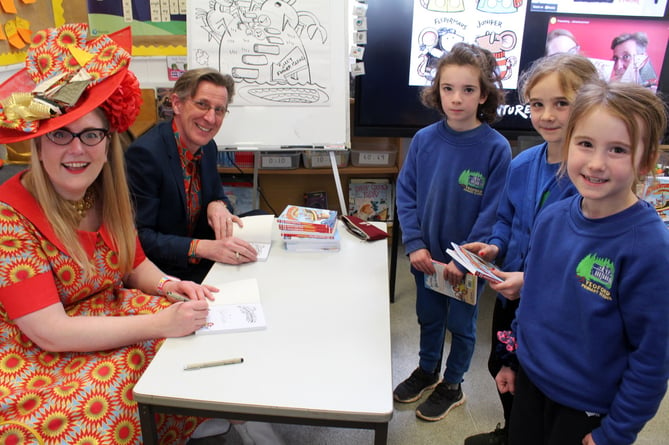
(290,63)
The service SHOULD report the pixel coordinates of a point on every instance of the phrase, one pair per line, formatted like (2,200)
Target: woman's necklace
(81,206)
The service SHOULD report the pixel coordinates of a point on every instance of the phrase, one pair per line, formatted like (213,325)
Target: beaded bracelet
(163,281)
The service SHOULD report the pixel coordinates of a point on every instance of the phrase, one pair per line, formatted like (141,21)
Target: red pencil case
(362,229)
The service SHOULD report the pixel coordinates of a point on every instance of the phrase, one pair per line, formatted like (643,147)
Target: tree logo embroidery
(472,182)
(596,275)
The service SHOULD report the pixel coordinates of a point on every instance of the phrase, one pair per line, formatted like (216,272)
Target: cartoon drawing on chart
(443,5)
(499,6)
(261,43)
(498,44)
(433,44)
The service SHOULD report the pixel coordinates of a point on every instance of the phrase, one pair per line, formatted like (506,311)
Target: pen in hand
(177,297)
(230,361)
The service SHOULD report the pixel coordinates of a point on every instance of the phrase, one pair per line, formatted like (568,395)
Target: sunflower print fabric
(70,398)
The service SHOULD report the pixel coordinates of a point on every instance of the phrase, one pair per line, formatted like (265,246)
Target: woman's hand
(510,287)
(422,260)
(184,318)
(190,290)
(221,220)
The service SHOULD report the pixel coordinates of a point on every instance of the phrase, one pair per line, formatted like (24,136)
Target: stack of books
(309,229)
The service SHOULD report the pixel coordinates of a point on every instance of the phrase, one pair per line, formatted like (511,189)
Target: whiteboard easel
(290,64)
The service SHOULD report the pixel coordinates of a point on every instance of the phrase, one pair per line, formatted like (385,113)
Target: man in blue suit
(183,217)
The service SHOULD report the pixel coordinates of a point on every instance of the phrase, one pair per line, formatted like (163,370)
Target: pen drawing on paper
(276,50)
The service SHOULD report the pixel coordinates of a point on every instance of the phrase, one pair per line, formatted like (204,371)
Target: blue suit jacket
(156,183)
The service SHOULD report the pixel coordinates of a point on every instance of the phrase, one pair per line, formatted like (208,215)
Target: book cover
(465,291)
(317,200)
(257,231)
(304,244)
(474,263)
(307,219)
(656,192)
(370,199)
(236,308)
(300,244)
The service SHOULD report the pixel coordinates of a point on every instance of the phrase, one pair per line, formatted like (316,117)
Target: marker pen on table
(200,365)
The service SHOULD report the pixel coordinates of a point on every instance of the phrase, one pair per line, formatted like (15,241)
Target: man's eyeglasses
(206,106)
(91,137)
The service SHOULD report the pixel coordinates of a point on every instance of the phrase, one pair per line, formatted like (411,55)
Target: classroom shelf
(353,171)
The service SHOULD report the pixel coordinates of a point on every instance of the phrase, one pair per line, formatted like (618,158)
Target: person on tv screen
(631,61)
(561,41)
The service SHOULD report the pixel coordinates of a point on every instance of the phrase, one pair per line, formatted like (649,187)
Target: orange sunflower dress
(69,398)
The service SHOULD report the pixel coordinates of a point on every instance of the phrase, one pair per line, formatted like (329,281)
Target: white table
(324,358)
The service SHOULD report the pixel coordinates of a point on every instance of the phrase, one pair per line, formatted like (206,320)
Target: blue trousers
(436,313)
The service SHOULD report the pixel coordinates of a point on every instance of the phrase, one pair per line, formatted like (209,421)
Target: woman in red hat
(82,310)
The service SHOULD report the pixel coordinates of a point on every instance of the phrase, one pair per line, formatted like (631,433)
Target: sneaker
(440,402)
(412,388)
(497,437)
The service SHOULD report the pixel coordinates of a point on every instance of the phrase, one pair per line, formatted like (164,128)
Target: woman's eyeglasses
(91,137)
(206,106)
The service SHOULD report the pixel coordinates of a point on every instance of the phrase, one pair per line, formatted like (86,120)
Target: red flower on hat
(122,107)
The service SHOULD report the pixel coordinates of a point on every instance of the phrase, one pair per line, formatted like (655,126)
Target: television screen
(405,38)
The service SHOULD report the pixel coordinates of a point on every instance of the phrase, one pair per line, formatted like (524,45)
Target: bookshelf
(281,187)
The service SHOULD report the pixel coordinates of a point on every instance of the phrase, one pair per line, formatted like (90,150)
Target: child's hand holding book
(474,263)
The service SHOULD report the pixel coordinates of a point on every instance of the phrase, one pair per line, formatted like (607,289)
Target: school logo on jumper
(472,182)
(596,275)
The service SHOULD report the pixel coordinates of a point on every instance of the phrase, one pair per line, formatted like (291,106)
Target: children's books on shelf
(474,263)
(465,291)
(236,308)
(257,231)
(370,199)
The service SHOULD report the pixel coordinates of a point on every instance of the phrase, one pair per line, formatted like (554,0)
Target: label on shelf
(320,160)
(371,158)
(277,161)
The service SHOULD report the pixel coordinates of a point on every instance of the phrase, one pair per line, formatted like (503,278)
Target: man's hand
(221,220)
(230,250)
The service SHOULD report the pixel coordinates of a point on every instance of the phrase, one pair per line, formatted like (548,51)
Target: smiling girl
(592,328)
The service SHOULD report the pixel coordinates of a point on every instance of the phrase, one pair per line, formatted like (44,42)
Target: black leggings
(502,316)
(537,420)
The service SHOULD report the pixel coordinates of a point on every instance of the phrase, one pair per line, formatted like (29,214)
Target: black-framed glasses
(206,106)
(90,137)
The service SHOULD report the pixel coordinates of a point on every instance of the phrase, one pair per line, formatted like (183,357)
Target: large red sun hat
(59,64)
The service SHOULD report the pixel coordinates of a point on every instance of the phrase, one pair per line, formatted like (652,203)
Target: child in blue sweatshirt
(448,191)
(591,334)
(549,86)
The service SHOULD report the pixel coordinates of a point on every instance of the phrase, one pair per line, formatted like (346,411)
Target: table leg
(381,434)
(396,235)
(147,420)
